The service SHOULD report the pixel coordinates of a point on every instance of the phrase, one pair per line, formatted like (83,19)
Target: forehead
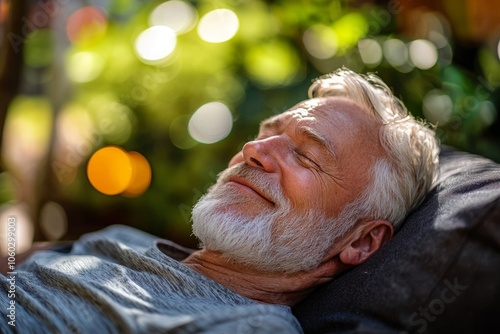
(326,112)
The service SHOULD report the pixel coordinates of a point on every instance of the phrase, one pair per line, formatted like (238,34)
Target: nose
(261,154)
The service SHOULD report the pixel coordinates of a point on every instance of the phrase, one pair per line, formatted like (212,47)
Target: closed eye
(304,158)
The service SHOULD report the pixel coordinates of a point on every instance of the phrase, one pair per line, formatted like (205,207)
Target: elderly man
(318,191)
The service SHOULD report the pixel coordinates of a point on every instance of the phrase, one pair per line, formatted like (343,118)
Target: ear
(366,241)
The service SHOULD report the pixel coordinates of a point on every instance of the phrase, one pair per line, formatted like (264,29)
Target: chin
(271,241)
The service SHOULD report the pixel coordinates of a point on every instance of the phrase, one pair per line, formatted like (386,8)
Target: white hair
(400,182)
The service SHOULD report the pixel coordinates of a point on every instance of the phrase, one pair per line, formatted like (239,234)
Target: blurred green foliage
(115,98)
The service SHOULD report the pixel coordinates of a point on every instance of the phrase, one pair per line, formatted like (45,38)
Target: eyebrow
(271,123)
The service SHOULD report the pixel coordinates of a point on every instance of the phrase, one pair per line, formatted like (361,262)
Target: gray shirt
(122,280)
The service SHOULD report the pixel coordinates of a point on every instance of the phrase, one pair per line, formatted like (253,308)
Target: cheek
(303,189)
(236,159)
(308,190)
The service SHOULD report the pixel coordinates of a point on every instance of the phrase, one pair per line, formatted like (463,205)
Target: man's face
(283,193)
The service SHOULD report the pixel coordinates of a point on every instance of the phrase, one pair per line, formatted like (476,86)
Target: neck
(265,287)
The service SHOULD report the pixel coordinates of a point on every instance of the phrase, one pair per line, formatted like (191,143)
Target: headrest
(439,273)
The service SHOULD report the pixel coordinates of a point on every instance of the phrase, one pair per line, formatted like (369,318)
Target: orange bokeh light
(4,8)
(142,175)
(112,171)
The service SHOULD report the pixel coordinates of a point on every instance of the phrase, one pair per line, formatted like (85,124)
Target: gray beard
(275,240)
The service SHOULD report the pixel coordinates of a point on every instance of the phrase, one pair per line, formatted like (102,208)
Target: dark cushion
(439,274)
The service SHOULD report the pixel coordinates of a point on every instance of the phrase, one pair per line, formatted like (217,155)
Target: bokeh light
(423,54)
(437,107)
(217,26)
(155,43)
(27,132)
(349,29)
(141,177)
(76,137)
(257,22)
(110,170)
(86,25)
(444,49)
(210,123)
(180,16)
(320,41)
(487,112)
(438,39)
(74,125)
(274,63)
(395,52)
(370,52)
(84,66)
(498,50)
(4,9)
(75,140)
(113,120)
(53,221)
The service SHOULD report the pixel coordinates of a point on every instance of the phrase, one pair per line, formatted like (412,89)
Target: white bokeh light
(498,49)
(53,221)
(370,51)
(155,43)
(423,54)
(178,15)
(320,41)
(396,52)
(218,26)
(84,66)
(488,112)
(437,107)
(210,123)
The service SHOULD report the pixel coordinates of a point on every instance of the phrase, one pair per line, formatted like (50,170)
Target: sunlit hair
(401,182)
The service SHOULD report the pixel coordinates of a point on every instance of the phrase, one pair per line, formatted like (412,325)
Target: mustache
(257,179)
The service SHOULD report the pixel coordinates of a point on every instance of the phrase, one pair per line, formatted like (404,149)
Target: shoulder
(254,318)
(116,237)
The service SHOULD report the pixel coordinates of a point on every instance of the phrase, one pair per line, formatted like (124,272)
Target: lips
(247,186)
